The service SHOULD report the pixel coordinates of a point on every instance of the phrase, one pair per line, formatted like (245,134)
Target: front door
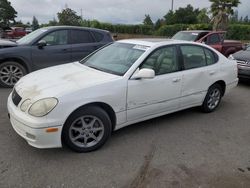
(57,51)
(160,94)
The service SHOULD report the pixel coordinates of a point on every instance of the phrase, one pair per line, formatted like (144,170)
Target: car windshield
(188,36)
(30,37)
(115,58)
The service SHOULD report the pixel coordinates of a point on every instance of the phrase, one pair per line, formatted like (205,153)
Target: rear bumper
(231,85)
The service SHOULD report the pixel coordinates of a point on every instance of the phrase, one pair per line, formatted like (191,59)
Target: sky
(113,11)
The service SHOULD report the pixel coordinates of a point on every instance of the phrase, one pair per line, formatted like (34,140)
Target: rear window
(188,36)
(98,36)
(81,36)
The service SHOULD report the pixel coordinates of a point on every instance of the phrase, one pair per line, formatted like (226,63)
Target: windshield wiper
(94,68)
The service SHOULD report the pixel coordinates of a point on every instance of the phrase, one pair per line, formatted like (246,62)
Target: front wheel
(212,99)
(10,73)
(87,129)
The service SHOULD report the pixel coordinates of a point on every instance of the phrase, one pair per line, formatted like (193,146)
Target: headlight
(43,107)
(24,106)
(231,57)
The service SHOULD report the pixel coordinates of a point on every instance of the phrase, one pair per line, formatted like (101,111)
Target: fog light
(31,136)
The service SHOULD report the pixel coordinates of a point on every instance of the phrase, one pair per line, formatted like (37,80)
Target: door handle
(212,72)
(176,79)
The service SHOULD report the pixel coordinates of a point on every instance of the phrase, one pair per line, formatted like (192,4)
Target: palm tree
(221,9)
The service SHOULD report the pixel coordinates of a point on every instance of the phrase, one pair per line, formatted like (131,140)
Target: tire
(10,73)
(212,99)
(87,129)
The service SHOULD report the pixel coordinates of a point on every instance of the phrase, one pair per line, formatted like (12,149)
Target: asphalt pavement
(183,149)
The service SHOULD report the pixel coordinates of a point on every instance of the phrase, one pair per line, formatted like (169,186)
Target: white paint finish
(155,95)
(75,85)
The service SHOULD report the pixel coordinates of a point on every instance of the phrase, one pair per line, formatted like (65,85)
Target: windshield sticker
(195,34)
(140,47)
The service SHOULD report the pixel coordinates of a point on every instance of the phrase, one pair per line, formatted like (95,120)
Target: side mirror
(41,43)
(144,74)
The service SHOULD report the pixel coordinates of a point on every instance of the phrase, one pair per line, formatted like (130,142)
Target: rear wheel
(10,73)
(87,129)
(212,99)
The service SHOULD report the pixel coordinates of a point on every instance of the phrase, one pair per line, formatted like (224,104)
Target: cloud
(114,11)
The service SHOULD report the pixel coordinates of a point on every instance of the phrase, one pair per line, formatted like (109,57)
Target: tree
(158,24)
(186,15)
(69,17)
(7,13)
(246,20)
(170,18)
(35,24)
(221,10)
(53,22)
(147,21)
(235,17)
(203,16)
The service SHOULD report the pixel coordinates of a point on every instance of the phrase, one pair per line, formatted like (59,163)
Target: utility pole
(81,12)
(172,7)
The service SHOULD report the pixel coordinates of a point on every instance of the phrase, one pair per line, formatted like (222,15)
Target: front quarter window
(115,58)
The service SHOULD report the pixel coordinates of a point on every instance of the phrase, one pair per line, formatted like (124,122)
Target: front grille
(246,63)
(16,98)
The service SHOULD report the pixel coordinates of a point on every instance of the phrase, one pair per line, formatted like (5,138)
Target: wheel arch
(18,60)
(107,108)
(222,84)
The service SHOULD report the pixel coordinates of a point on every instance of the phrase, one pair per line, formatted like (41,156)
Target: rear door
(82,43)
(200,72)
(56,52)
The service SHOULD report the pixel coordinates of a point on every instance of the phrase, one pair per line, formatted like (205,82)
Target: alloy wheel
(86,131)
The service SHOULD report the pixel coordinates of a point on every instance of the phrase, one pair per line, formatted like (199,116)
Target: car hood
(242,55)
(7,43)
(60,80)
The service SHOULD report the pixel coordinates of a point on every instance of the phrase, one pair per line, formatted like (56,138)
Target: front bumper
(26,128)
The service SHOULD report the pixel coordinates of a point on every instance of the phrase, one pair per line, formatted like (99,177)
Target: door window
(98,36)
(81,36)
(213,39)
(162,61)
(56,38)
(193,56)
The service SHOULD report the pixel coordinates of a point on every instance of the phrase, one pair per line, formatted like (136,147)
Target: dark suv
(46,47)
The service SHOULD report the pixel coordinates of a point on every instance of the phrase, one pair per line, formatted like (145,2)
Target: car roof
(196,31)
(73,27)
(150,42)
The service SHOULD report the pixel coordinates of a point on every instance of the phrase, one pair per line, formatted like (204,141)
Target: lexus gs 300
(81,103)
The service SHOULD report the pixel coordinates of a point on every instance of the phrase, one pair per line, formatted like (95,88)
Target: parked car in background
(28,30)
(47,47)
(215,39)
(15,32)
(243,59)
(129,81)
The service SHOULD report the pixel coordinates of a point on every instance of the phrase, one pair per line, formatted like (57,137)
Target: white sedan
(80,104)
